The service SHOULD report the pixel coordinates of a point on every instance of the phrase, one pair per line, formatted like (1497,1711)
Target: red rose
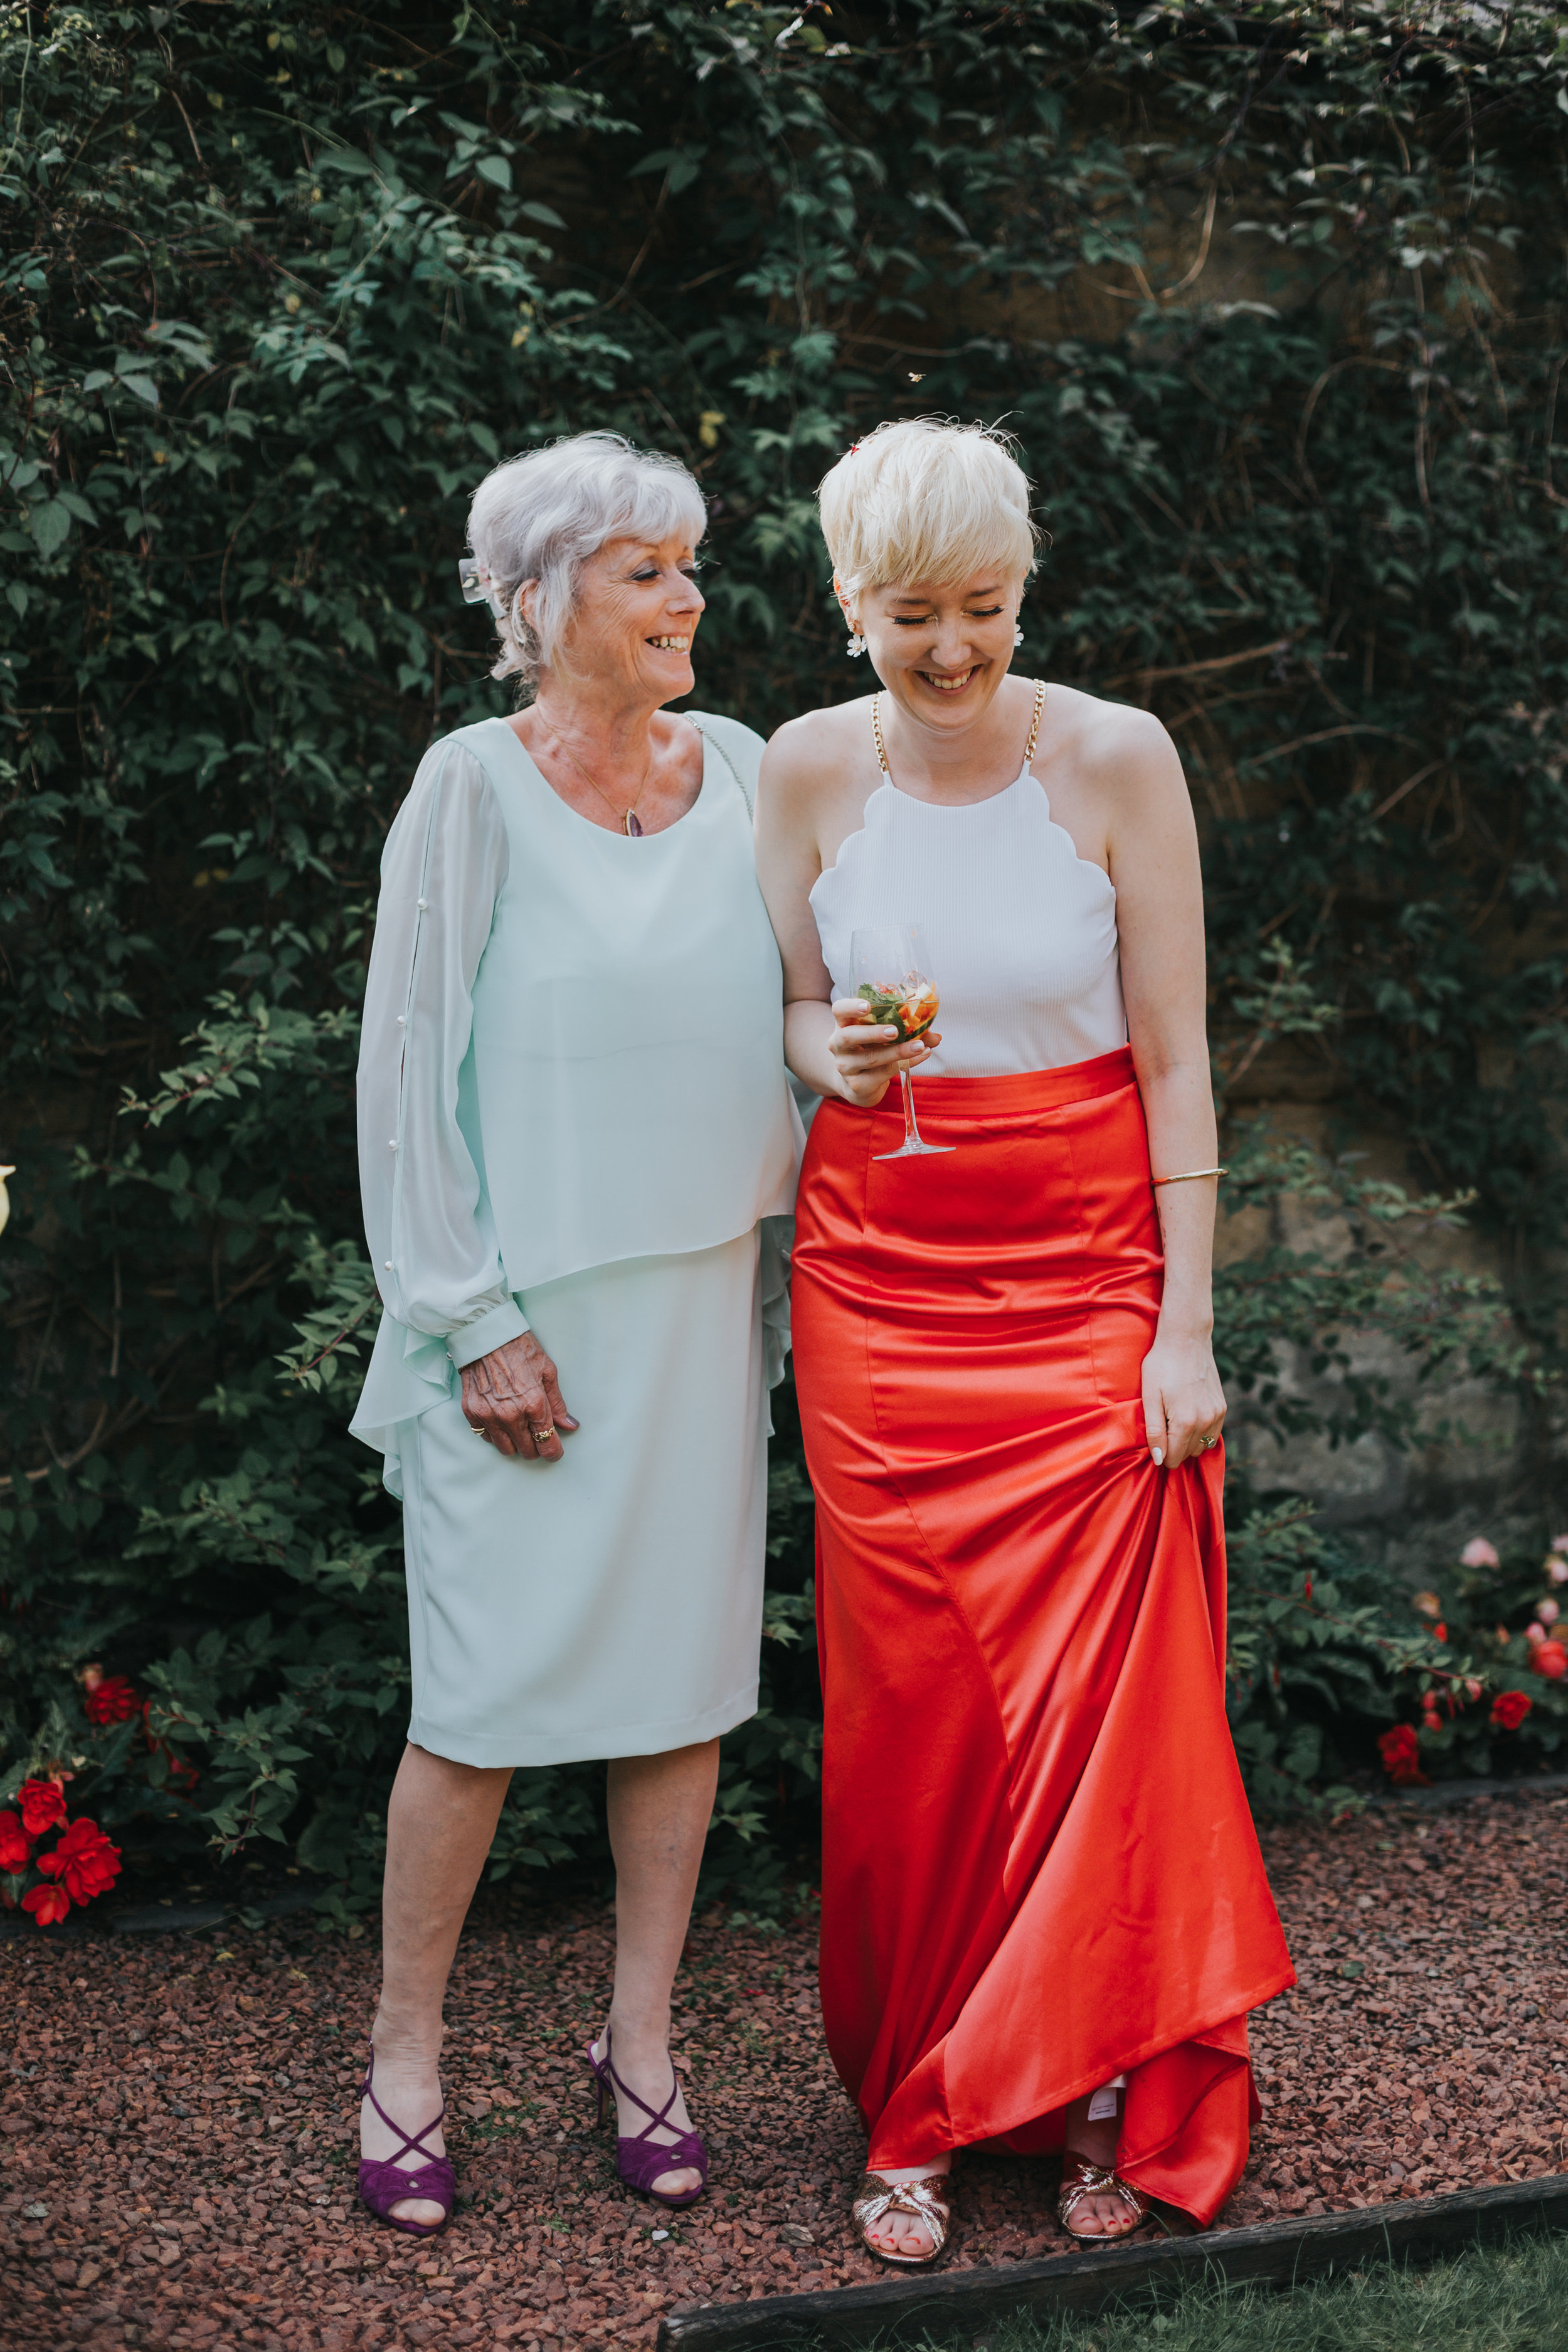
(1400,1751)
(47,1904)
(85,1859)
(1551,1659)
(1510,1710)
(16,1846)
(110,1700)
(43,1804)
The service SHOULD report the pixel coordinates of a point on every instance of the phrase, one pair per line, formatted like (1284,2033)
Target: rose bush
(1482,1659)
(83,1862)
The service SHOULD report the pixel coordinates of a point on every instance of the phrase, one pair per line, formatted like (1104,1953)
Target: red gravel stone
(183,2108)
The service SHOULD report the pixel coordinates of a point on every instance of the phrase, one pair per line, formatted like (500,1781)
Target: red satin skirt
(1039,1870)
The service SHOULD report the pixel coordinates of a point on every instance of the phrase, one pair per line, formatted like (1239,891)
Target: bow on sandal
(383,2182)
(640,2159)
(929,2201)
(1080,2179)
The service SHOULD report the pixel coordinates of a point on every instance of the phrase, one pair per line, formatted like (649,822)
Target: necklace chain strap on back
(628,816)
(1028,749)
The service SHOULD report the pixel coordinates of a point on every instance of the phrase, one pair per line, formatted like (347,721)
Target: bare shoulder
(808,756)
(1121,752)
(833,729)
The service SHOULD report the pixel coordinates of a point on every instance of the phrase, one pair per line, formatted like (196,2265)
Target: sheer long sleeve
(432,1240)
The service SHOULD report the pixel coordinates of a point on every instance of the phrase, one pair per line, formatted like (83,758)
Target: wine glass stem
(911,1132)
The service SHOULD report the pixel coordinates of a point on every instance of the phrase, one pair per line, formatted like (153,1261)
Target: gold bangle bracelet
(1190,1176)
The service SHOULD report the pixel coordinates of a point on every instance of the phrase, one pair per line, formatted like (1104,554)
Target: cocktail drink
(910,1004)
(890,968)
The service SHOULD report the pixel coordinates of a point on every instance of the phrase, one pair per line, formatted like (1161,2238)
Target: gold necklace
(629,816)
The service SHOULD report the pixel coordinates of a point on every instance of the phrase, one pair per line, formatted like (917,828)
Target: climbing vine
(1274,299)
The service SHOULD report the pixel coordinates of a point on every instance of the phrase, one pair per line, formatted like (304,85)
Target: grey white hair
(536,519)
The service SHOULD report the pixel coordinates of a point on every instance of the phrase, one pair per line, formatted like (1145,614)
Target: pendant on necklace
(632,828)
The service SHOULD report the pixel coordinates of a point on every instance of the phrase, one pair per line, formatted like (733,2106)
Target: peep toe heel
(640,2160)
(383,2182)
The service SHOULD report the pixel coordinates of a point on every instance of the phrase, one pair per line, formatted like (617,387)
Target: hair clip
(477,586)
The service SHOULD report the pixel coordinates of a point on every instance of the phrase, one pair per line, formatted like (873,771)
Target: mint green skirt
(610,1603)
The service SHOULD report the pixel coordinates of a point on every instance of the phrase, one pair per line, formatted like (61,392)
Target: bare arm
(832,1047)
(1154,852)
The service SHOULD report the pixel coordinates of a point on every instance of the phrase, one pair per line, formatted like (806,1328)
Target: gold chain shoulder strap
(1034,729)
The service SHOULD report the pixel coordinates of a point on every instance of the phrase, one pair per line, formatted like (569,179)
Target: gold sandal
(1080,2179)
(927,2200)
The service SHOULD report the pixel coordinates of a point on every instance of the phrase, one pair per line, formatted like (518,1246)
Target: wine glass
(890,969)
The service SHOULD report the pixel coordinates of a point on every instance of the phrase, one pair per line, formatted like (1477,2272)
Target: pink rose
(1548,1612)
(1533,1634)
(1478,1553)
(1557,1569)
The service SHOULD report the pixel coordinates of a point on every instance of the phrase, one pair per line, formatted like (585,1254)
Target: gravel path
(177,2111)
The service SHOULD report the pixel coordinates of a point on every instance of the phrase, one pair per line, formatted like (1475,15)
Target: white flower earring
(1018,634)
(856,647)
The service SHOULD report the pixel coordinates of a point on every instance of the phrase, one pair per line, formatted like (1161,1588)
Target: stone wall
(1486,1459)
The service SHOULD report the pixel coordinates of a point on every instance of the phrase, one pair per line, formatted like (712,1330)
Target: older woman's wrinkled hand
(512,1397)
(866,1053)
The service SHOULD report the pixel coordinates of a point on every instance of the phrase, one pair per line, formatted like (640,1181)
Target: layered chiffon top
(572,1053)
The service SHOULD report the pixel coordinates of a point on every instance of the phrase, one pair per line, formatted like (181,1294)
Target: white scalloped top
(1021,929)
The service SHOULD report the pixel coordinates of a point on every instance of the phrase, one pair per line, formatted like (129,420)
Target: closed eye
(925,620)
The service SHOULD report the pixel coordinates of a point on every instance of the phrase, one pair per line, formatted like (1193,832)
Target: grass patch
(1509,2300)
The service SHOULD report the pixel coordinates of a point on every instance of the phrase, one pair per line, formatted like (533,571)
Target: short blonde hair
(927,499)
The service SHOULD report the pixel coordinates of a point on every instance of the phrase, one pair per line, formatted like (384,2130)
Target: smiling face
(941,651)
(636,613)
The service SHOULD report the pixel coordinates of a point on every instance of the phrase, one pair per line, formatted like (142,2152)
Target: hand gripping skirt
(1039,1870)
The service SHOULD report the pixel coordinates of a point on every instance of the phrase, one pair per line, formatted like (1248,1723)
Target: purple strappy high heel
(639,2160)
(383,2183)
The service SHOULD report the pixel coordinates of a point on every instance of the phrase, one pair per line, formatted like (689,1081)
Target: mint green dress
(574,1118)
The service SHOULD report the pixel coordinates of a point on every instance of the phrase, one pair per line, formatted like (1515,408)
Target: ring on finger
(541,1436)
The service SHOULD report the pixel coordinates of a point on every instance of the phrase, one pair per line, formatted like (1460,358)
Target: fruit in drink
(910,1004)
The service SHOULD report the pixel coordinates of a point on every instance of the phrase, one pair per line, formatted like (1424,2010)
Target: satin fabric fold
(1039,1870)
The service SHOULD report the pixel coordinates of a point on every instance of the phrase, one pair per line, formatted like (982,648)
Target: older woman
(573,1115)
(1044,1914)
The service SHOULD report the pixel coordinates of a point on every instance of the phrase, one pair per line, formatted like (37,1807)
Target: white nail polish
(1159,1453)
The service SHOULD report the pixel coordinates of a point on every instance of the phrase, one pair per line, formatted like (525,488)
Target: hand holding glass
(891,970)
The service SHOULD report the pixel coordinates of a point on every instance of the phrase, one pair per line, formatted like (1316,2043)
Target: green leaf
(50,525)
(495,169)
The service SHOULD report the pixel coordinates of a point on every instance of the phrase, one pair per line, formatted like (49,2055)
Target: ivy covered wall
(1274,299)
